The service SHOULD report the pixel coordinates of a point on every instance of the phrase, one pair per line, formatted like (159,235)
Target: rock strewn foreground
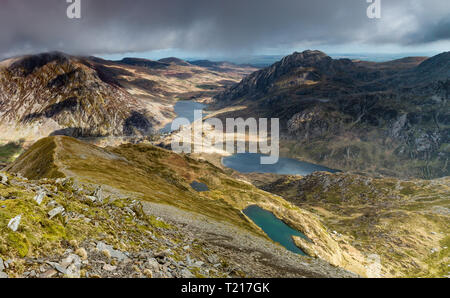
(92,235)
(69,229)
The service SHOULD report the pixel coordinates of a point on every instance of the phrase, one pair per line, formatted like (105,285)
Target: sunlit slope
(157,175)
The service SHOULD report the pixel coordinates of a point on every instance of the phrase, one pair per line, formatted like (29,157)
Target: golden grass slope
(153,174)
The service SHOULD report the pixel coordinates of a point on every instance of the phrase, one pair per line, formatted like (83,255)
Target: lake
(275,228)
(251,163)
(200,187)
(184,109)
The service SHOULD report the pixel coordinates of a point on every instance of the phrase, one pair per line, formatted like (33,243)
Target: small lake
(251,163)
(275,228)
(200,187)
(184,109)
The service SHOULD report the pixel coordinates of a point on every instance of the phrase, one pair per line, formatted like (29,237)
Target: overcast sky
(195,28)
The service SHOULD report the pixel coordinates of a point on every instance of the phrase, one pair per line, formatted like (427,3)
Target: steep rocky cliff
(55,93)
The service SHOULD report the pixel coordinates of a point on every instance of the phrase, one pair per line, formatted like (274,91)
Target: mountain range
(388,118)
(55,93)
(90,195)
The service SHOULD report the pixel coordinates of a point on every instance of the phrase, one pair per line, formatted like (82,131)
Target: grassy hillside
(156,175)
(347,217)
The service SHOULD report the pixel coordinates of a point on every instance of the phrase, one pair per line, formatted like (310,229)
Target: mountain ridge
(350,115)
(89,97)
(161,179)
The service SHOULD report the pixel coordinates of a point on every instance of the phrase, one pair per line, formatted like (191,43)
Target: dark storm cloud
(439,30)
(223,26)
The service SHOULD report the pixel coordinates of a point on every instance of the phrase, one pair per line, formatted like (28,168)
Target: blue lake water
(251,163)
(200,187)
(184,109)
(275,228)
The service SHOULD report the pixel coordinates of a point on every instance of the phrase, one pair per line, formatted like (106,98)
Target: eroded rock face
(58,94)
(312,123)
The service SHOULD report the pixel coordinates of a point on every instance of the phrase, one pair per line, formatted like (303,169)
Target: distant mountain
(394,65)
(221,65)
(144,63)
(55,93)
(389,118)
(173,60)
(206,63)
(435,68)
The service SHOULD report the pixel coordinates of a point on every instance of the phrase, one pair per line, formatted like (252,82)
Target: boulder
(4,179)
(114,253)
(39,197)
(56,211)
(14,223)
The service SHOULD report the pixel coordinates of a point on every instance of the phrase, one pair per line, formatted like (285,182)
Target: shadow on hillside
(9,151)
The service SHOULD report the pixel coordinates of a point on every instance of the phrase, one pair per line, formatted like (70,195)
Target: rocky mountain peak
(28,64)
(294,70)
(308,56)
(311,59)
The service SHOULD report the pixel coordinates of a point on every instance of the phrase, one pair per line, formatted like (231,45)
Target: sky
(222,28)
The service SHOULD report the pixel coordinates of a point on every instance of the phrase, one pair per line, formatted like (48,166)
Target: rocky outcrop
(57,94)
(76,241)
